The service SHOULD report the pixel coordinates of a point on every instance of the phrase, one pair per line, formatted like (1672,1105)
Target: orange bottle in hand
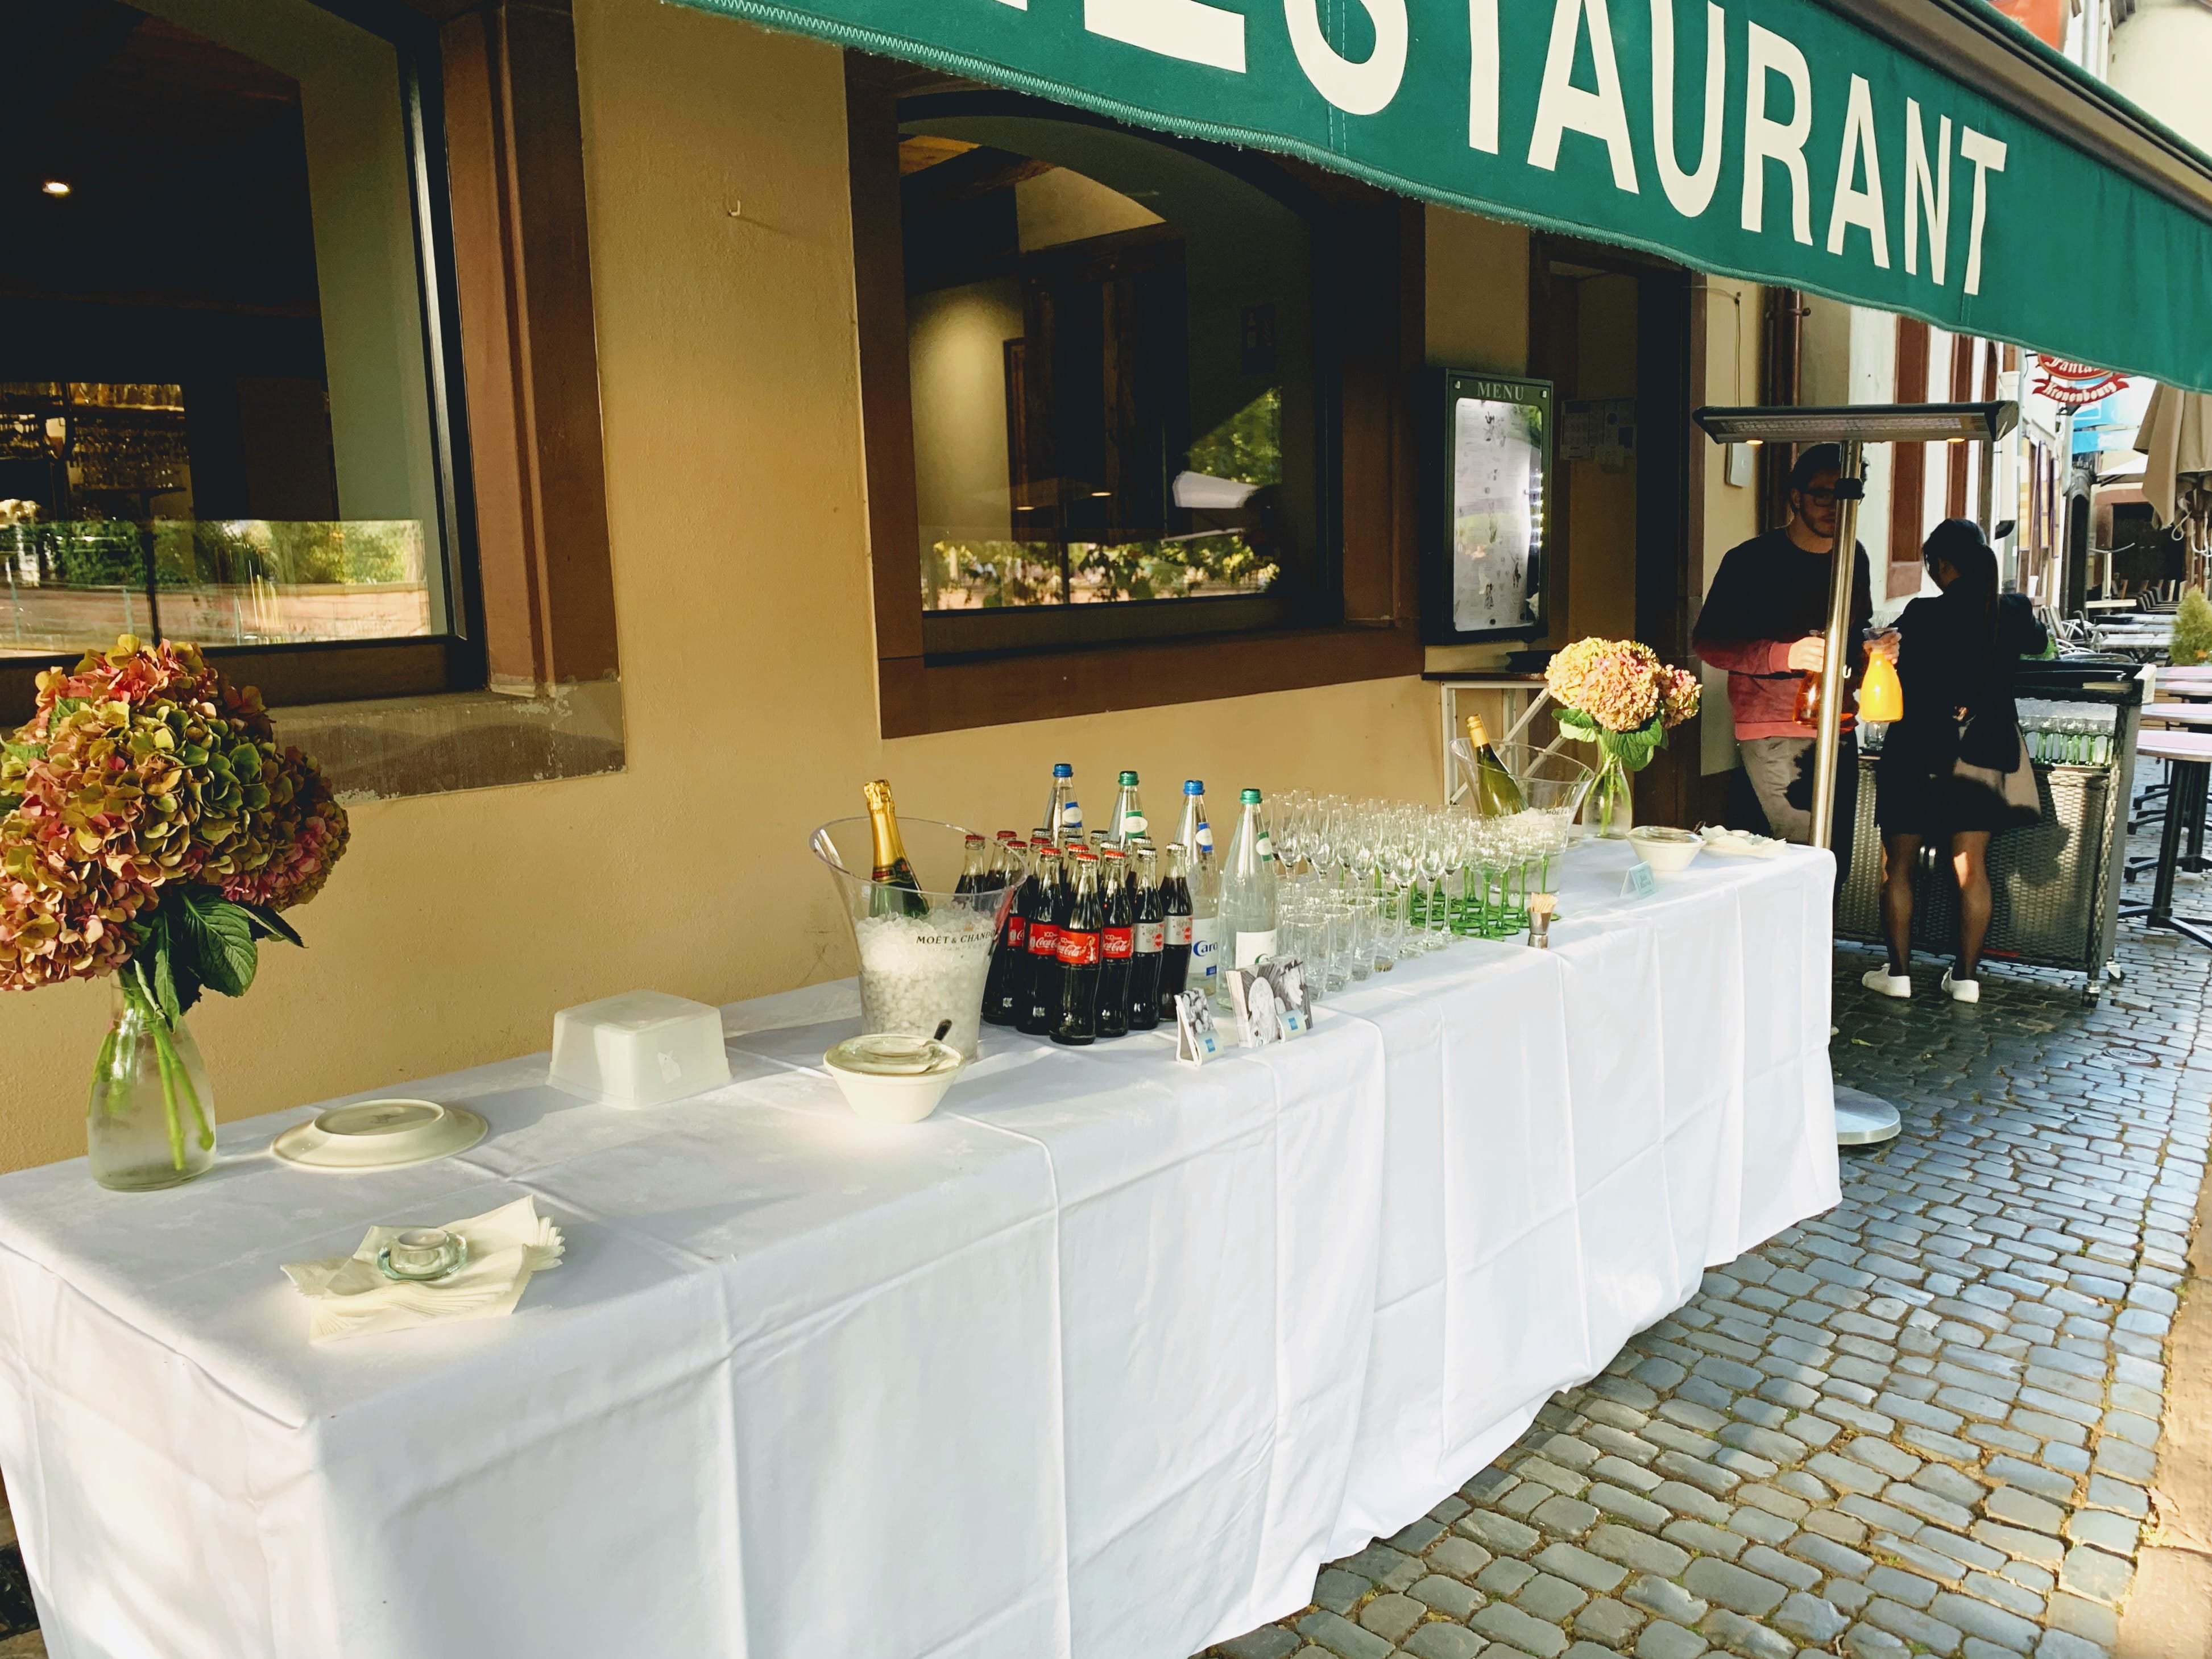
(1881,696)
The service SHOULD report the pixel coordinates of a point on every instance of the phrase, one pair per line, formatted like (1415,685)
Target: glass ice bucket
(1550,782)
(920,963)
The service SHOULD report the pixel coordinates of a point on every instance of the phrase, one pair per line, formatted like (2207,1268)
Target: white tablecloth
(1101,1360)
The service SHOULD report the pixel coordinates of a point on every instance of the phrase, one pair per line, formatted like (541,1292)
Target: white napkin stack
(351,1295)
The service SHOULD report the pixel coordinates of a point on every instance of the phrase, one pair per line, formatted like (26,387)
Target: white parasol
(2177,436)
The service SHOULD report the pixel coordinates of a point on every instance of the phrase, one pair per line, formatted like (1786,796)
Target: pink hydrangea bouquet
(152,828)
(1619,694)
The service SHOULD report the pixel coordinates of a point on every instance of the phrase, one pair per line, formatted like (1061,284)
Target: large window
(223,417)
(1118,394)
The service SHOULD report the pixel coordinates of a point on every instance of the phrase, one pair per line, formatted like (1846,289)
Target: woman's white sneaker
(1883,983)
(1962,990)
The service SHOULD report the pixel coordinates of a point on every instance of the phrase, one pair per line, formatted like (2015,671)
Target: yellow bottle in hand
(1882,698)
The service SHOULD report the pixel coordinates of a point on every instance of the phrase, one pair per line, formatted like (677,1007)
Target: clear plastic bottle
(1247,905)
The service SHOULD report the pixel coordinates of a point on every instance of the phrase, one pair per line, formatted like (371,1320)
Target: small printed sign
(1196,1039)
(1271,1002)
(1639,883)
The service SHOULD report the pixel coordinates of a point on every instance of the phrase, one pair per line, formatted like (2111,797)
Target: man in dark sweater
(1765,622)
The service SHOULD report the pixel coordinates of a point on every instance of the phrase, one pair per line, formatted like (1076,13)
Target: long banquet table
(1101,1360)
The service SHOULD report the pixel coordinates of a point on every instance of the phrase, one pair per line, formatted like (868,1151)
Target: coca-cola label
(1178,930)
(1044,939)
(1018,932)
(1116,943)
(1150,936)
(1079,949)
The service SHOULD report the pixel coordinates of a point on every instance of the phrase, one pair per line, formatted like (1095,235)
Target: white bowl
(1668,850)
(888,1078)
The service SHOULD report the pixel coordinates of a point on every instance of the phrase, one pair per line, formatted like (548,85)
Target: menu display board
(1485,556)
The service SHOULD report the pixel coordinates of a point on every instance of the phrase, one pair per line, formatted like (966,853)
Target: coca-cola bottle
(1116,943)
(1175,940)
(1007,981)
(975,866)
(1080,946)
(1040,989)
(1149,941)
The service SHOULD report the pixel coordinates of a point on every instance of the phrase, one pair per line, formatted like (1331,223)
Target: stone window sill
(430,746)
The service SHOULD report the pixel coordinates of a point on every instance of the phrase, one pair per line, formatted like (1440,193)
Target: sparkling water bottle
(1248,895)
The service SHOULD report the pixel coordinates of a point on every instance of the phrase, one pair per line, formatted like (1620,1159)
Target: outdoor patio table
(1101,1360)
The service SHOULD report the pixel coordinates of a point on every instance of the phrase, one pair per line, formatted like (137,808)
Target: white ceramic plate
(1731,844)
(380,1134)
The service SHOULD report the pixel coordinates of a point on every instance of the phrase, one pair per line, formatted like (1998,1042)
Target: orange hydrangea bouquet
(1619,694)
(152,827)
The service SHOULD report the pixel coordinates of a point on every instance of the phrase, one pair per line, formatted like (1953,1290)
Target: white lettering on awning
(1188,29)
(1767,140)
(1360,89)
(1690,192)
(1987,155)
(1482,76)
(1563,105)
(1925,196)
(1854,205)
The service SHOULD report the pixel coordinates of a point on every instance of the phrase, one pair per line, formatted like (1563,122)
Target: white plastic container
(641,1048)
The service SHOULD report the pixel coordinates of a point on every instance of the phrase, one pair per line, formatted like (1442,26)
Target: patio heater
(1861,1119)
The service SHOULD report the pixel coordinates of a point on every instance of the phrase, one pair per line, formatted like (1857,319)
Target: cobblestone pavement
(1925,1421)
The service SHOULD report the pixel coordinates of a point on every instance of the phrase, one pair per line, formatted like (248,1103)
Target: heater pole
(1843,568)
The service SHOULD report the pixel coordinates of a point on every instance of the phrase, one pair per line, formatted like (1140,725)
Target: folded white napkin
(350,1294)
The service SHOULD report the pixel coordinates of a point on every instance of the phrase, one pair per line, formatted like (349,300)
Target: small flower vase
(1610,812)
(150,1121)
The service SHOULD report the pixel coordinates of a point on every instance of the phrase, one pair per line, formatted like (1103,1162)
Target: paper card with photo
(1197,1040)
(1293,994)
(1252,998)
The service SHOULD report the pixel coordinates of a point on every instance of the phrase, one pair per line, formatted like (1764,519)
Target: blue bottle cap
(1062,769)
(1193,787)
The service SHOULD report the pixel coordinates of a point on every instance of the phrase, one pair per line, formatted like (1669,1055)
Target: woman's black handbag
(2015,787)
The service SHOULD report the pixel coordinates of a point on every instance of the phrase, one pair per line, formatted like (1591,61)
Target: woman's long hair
(1960,544)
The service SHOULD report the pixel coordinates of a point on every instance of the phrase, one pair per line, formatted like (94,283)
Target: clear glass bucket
(916,970)
(1550,782)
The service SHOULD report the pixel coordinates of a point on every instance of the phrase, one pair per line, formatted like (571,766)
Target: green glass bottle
(1496,795)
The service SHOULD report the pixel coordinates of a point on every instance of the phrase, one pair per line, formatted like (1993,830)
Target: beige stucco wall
(459,923)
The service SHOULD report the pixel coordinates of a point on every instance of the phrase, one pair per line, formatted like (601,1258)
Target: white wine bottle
(1496,795)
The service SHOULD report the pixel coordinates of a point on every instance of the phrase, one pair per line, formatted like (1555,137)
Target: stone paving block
(1877,1456)
(1734,1587)
(1829,1557)
(1868,1642)
(1437,1641)
(1811,1619)
(2119,1496)
(1918,1500)
(2018,1508)
(1664,1639)
(2060,1645)
(2105,1529)
(1376,1563)
(1450,1596)
(1499,1533)
(1502,1623)
(1611,1622)
(1899,1586)
(1503,1577)
(2006,1630)
(1337,1590)
(1581,1567)
(1640,1552)
(2125,1461)
(2005,1593)
(1876,1513)
(1913,1626)
(1760,1524)
(1339,1636)
(1268,1642)
(1951,1546)
(1746,1637)
(2097,1577)
(1570,1517)
(1392,1617)
(2033,1478)
(2088,1620)
(1664,1598)
(1462,1558)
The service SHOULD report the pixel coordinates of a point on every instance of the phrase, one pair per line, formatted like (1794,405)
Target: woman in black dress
(1942,767)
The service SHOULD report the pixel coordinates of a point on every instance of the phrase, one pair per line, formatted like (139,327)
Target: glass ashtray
(421,1253)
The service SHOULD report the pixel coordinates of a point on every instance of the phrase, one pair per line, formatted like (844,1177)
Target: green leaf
(269,925)
(220,937)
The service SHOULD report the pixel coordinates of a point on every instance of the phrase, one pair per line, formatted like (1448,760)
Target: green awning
(1778,140)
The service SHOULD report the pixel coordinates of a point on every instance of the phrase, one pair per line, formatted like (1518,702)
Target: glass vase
(1611,803)
(151,1121)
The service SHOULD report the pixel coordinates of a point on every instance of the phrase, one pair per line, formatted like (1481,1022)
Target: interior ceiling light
(56,187)
(1872,423)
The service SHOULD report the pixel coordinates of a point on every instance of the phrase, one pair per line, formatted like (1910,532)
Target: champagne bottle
(898,891)
(1496,795)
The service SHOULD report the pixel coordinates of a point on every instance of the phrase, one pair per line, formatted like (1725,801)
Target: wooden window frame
(1373,633)
(491,94)
(1908,467)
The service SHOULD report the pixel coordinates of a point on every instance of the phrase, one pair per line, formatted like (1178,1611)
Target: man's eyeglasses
(1820,497)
